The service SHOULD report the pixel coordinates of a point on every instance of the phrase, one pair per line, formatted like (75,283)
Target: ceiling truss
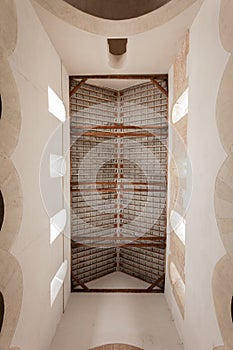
(100,114)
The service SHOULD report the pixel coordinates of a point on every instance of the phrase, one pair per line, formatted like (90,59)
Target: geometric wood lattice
(118,181)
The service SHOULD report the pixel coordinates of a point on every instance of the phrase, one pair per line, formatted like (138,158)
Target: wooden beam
(117,134)
(115,238)
(122,76)
(121,127)
(116,290)
(116,190)
(134,245)
(152,183)
(79,282)
(75,89)
(156,283)
(159,87)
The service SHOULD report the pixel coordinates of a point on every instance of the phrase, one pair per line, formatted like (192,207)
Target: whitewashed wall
(206,62)
(36,65)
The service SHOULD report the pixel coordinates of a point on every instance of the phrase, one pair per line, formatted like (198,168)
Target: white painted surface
(137,319)
(85,53)
(56,106)
(206,63)
(36,66)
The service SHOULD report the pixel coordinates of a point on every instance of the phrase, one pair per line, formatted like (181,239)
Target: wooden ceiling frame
(158,285)
(82,79)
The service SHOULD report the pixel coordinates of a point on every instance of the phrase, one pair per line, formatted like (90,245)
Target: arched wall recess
(2,310)
(223,272)
(13,203)
(0,106)
(11,287)
(1,210)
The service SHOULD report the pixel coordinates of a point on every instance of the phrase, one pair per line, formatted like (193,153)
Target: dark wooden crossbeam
(75,89)
(159,86)
(115,290)
(156,283)
(75,278)
(122,76)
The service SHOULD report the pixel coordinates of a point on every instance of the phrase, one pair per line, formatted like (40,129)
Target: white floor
(142,320)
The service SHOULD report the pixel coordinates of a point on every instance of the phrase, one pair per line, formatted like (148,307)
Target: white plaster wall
(206,63)
(141,320)
(36,65)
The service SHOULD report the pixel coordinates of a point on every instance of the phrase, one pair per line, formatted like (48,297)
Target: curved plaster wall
(223,273)
(11,283)
(104,27)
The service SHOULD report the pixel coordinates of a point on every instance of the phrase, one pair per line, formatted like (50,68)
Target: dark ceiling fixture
(117,46)
(117,9)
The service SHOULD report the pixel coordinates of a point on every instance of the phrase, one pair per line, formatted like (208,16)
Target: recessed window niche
(232,309)
(57,224)
(1,210)
(58,281)
(180,108)
(178,224)
(2,310)
(56,106)
(57,166)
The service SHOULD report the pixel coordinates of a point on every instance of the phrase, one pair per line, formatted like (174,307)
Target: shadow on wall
(2,309)
(117,9)
(1,210)
(116,347)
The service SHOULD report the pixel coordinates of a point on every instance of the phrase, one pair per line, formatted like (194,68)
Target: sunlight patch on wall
(57,282)
(56,106)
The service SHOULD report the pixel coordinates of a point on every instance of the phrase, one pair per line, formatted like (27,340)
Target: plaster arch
(115,28)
